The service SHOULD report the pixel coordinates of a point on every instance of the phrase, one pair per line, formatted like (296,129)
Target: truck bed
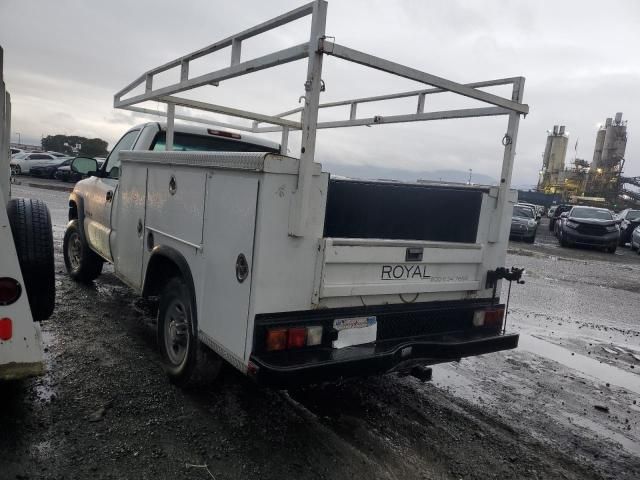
(402,211)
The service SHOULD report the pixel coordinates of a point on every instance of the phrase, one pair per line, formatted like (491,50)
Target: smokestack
(555,129)
(618,118)
(561,131)
(608,122)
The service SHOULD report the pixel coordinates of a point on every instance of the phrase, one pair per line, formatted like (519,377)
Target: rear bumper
(298,368)
(17,371)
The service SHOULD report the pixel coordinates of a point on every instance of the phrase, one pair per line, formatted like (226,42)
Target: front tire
(187,362)
(82,263)
(563,242)
(31,228)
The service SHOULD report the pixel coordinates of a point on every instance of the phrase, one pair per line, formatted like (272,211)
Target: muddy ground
(565,404)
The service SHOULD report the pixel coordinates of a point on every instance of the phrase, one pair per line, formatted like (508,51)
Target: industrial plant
(599,182)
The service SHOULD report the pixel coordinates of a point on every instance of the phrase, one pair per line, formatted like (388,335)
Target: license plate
(355,331)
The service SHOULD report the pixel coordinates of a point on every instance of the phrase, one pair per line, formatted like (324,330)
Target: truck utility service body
(292,276)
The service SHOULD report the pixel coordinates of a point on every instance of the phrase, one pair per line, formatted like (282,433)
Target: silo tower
(553,159)
(608,158)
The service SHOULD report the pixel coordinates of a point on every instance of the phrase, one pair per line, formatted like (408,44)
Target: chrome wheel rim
(74,251)
(176,332)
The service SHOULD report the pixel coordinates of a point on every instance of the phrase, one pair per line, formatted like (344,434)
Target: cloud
(578,67)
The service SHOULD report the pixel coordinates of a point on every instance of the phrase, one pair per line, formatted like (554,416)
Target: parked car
(58,154)
(630,220)
(536,209)
(523,223)
(635,240)
(551,210)
(65,174)
(21,163)
(48,170)
(589,226)
(560,209)
(15,151)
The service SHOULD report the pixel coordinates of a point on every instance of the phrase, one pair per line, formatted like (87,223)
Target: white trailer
(287,274)
(27,287)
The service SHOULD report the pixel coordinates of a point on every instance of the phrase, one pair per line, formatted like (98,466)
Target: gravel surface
(565,404)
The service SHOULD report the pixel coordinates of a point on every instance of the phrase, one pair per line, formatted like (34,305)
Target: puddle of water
(628,444)
(44,385)
(447,377)
(587,367)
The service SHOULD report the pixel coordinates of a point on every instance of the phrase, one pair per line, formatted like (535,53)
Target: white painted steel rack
(313,51)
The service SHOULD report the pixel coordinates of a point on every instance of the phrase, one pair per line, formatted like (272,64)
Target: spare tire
(31,227)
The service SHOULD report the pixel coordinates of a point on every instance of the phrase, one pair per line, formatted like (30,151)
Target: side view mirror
(84,165)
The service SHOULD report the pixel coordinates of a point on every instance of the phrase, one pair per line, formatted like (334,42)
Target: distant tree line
(73,145)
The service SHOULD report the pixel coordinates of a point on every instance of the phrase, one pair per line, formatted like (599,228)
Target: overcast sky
(65,59)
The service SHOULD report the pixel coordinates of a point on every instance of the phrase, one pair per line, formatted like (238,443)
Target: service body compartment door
(230,215)
(129,219)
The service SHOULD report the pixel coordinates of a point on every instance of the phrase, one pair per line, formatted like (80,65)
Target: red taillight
(6,329)
(276,339)
(222,133)
(9,290)
(491,318)
(294,337)
(297,337)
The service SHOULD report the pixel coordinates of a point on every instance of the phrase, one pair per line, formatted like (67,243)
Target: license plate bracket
(355,331)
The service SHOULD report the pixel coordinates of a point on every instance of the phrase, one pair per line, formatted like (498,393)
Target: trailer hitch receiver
(513,274)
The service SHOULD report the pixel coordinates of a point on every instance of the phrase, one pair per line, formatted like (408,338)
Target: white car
(21,163)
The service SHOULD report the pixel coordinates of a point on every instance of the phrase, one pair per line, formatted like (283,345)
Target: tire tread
(31,228)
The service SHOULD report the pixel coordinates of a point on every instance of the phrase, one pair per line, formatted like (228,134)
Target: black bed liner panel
(397,211)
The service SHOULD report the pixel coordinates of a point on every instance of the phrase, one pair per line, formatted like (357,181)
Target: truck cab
(97,194)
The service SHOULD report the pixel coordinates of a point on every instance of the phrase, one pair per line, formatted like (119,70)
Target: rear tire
(31,227)
(187,362)
(82,263)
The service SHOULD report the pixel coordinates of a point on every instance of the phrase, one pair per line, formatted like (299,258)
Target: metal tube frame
(313,51)
(5,135)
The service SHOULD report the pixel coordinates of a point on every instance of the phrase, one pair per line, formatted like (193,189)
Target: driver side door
(100,196)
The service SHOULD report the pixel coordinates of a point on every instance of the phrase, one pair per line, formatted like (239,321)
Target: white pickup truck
(264,261)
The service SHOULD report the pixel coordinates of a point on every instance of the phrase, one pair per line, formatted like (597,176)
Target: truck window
(112,169)
(185,142)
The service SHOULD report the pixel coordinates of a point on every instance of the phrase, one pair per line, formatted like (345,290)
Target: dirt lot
(565,404)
